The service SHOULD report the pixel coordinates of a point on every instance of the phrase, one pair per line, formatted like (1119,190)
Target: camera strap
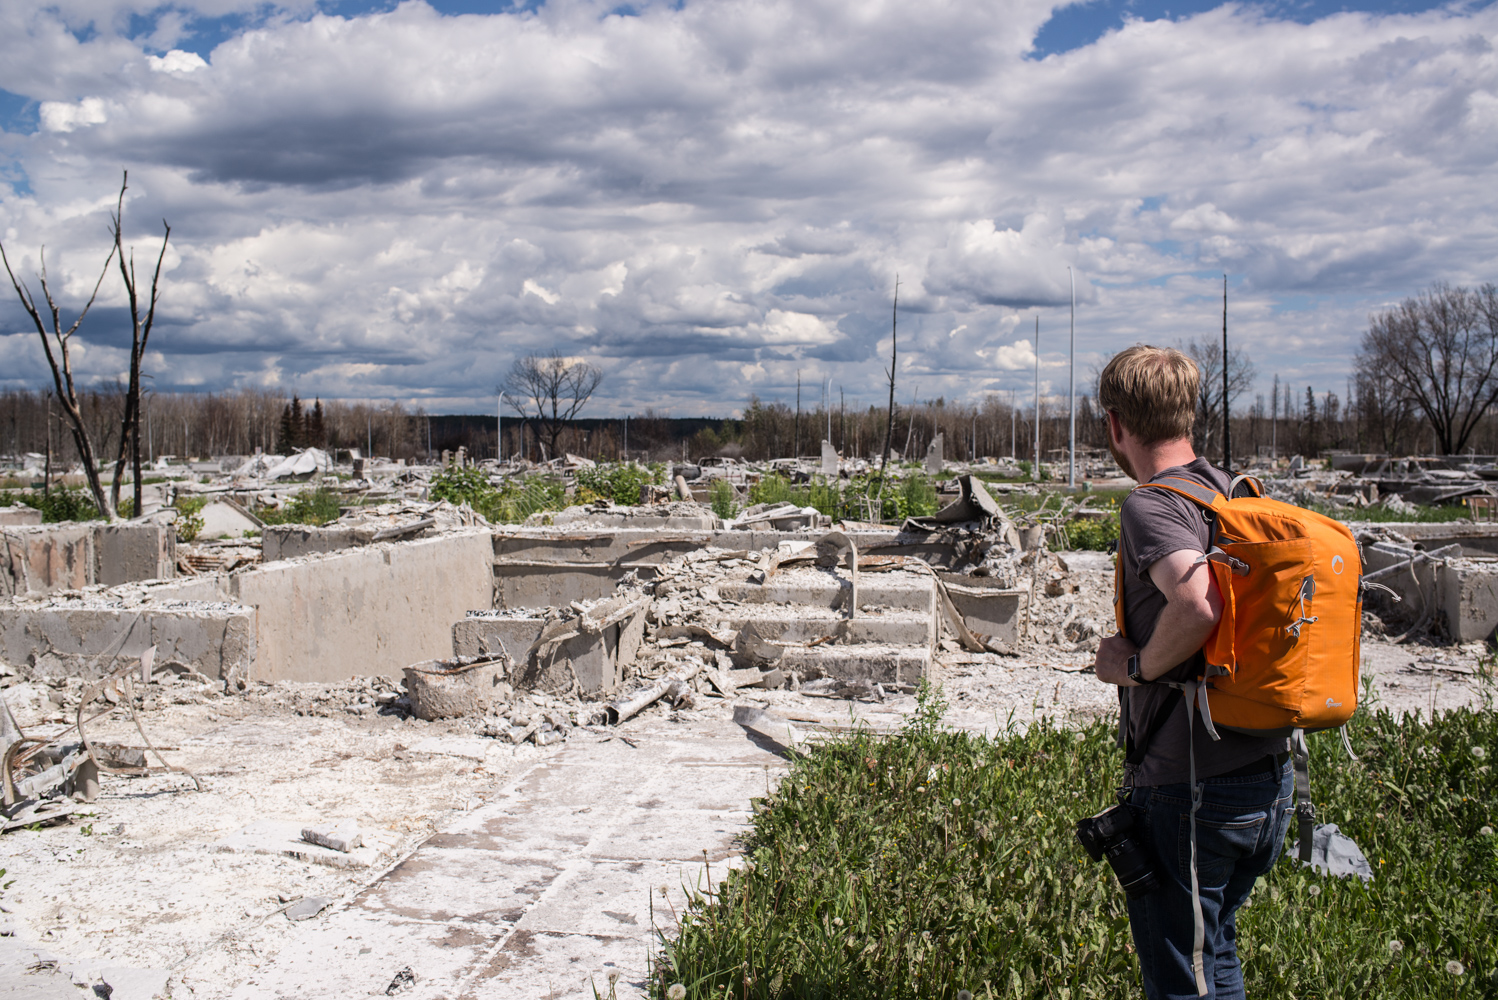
(1195,693)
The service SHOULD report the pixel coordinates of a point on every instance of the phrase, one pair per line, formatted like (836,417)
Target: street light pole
(1036,471)
(1071,477)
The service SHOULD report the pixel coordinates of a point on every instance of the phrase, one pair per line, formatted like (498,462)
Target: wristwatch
(1135,674)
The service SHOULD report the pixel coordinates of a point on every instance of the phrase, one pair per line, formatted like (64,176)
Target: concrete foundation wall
(66,638)
(1469,596)
(373,610)
(536,568)
(43,559)
(292,541)
(134,550)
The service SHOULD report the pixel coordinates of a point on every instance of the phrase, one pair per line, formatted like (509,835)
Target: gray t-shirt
(1155,524)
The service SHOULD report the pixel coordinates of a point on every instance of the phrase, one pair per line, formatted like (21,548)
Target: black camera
(1106,835)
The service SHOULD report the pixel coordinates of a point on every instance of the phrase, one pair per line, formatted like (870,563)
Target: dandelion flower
(1455,968)
(676,991)
(1486,831)
(1479,752)
(956,803)
(1315,891)
(1396,946)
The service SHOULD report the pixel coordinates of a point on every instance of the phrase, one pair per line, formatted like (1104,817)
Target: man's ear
(1115,427)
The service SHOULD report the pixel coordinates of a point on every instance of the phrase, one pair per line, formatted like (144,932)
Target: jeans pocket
(1220,845)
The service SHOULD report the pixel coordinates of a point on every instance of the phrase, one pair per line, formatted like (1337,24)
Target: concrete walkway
(548,886)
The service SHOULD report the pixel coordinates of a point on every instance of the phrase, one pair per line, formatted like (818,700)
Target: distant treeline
(237,423)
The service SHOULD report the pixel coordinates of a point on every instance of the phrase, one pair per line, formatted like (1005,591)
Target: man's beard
(1123,463)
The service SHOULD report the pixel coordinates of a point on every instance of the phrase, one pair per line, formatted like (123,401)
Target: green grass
(315,507)
(75,504)
(509,503)
(913,495)
(619,482)
(1380,514)
(930,862)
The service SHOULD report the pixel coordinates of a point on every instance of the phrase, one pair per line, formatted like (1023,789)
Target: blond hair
(1153,391)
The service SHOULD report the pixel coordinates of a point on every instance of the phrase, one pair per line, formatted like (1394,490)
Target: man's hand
(1191,611)
(1112,663)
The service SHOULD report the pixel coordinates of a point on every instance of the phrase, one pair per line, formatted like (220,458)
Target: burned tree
(56,344)
(1439,351)
(1211,398)
(550,389)
(140,335)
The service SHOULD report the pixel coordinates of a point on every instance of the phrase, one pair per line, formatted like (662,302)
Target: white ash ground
(138,882)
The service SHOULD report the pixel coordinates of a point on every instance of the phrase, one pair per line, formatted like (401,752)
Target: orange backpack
(1286,653)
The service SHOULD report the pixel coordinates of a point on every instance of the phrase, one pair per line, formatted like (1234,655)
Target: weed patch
(931,862)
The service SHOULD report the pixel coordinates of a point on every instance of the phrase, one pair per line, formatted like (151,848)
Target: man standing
(1168,606)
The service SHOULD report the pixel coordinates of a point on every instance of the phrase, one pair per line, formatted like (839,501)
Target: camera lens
(1133,868)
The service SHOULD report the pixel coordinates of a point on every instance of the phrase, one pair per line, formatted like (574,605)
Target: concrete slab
(134,550)
(280,837)
(64,637)
(18,514)
(41,559)
(369,611)
(293,541)
(549,887)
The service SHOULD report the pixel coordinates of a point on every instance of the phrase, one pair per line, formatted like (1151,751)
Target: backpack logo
(1333,704)
(1337,565)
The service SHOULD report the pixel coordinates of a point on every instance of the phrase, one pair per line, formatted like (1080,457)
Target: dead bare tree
(140,334)
(543,382)
(1440,350)
(1210,403)
(55,342)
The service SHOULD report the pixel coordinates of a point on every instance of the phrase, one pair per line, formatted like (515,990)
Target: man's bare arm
(1193,607)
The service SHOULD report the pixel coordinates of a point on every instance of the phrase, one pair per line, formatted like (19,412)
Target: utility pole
(796,437)
(1071,434)
(1036,471)
(499,430)
(1227,432)
(1274,421)
(1012,425)
(827,394)
(626,437)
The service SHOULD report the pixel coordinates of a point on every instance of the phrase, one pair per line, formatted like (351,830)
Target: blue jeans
(1240,829)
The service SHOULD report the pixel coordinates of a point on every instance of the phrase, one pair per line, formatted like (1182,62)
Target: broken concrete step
(792,624)
(810,588)
(878,663)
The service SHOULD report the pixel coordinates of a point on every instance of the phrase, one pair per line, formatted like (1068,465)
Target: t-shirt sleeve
(1158,523)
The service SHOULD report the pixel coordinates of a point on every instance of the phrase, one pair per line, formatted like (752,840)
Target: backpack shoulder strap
(1202,496)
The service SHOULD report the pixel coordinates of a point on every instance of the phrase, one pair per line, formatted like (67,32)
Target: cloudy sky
(704,197)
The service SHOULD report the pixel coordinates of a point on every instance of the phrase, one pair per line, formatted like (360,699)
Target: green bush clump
(189,516)
(62,504)
(929,862)
(723,498)
(619,482)
(912,496)
(315,507)
(511,502)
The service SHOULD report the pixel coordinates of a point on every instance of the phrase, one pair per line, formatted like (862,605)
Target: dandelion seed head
(837,921)
(1486,831)
(613,978)
(925,935)
(1396,946)
(964,995)
(1479,752)
(956,803)
(1315,891)
(676,991)
(1455,968)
